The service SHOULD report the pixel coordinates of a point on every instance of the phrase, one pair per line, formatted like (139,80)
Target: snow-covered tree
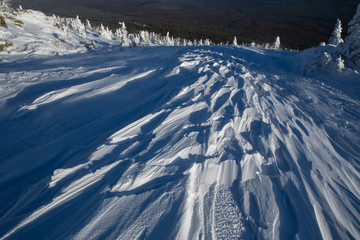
(276,44)
(144,38)
(105,33)
(77,25)
(235,41)
(351,48)
(5,6)
(88,25)
(326,60)
(336,35)
(169,41)
(122,35)
(340,64)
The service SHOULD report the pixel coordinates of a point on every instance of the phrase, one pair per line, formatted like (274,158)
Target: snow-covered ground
(206,142)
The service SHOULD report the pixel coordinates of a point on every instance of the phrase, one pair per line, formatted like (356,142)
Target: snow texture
(190,142)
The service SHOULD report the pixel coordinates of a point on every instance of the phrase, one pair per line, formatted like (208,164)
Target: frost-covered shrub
(2,22)
(5,44)
(320,60)
(5,6)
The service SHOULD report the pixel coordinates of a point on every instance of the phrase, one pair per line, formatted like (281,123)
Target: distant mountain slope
(205,142)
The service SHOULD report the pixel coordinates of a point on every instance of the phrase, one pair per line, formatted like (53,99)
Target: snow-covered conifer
(336,35)
(276,44)
(88,25)
(235,41)
(154,38)
(351,48)
(105,33)
(144,38)
(340,64)
(5,6)
(122,35)
(77,25)
(169,41)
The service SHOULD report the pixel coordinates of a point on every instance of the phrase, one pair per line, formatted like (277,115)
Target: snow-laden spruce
(336,39)
(187,142)
(235,43)
(276,44)
(351,48)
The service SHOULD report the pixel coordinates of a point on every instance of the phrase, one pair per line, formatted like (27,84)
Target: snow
(336,35)
(185,142)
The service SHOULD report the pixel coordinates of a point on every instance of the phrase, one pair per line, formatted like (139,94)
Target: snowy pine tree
(122,35)
(336,35)
(88,25)
(77,25)
(351,48)
(235,41)
(340,64)
(105,33)
(276,44)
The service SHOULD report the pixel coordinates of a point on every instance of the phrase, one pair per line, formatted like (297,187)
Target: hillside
(301,24)
(102,141)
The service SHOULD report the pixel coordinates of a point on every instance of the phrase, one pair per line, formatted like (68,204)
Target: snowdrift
(191,142)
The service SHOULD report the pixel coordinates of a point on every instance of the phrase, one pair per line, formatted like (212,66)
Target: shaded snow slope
(177,143)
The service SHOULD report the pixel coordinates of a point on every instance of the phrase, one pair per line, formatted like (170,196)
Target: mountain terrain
(132,136)
(301,24)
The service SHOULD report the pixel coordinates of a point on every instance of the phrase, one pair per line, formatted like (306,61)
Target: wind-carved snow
(96,88)
(181,143)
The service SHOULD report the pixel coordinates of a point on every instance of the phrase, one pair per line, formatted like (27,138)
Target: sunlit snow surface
(213,142)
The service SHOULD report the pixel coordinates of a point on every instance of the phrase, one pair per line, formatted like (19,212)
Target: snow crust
(206,142)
